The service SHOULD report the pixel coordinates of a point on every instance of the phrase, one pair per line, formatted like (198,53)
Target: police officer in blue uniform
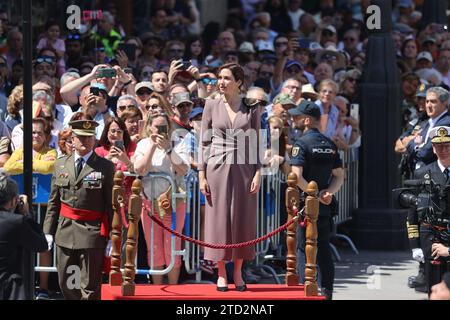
(315,158)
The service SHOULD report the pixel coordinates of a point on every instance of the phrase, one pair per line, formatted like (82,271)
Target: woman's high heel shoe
(241,288)
(222,289)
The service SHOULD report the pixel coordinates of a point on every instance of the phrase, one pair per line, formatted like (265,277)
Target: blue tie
(79,166)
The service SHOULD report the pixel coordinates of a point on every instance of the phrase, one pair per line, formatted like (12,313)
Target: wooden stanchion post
(134,208)
(292,204)
(312,213)
(115,276)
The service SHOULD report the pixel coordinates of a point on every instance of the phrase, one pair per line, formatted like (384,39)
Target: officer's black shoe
(423,289)
(327,293)
(416,281)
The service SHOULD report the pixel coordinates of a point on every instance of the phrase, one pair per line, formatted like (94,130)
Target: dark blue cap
(307,108)
(195,112)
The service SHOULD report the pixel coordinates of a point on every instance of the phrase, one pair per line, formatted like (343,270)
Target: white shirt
(442,167)
(85,159)
(432,123)
(160,163)
(295,18)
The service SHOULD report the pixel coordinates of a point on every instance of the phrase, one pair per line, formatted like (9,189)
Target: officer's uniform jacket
(318,155)
(92,190)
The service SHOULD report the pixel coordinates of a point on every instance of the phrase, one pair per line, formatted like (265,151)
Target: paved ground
(375,275)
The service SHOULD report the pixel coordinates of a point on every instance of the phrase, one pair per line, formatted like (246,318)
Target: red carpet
(208,292)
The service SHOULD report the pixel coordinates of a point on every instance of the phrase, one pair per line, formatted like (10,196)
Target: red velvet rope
(224,246)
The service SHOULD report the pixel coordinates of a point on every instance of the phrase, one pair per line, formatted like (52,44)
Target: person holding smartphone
(155,153)
(116,145)
(18,232)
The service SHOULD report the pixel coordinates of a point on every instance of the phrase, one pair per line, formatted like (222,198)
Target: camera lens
(408,200)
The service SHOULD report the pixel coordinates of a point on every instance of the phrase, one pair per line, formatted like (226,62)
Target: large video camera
(431,201)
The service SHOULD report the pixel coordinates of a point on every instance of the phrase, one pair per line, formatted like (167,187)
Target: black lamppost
(28,257)
(376,224)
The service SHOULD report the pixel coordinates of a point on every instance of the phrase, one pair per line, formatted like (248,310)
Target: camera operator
(435,255)
(17,232)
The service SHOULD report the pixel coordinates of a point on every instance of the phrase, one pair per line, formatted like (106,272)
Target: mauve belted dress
(230,163)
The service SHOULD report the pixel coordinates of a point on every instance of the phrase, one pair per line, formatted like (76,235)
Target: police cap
(84,128)
(422,90)
(307,108)
(440,135)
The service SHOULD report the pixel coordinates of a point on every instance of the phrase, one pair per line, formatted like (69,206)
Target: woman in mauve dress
(229,174)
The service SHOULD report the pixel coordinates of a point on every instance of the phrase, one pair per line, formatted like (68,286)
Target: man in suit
(436,105)
(18,232)
(79,214)
(434,254)
(419,149)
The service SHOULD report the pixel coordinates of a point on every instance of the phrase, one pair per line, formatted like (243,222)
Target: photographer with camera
(18,231)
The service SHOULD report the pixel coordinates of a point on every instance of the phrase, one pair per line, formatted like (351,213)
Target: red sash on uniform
(87,215)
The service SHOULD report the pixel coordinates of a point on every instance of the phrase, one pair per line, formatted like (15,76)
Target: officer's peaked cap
(307,108)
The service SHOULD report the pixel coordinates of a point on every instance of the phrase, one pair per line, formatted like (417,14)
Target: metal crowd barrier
(347,196)
(268,218)
(174,252)
(268,214)
(192,262)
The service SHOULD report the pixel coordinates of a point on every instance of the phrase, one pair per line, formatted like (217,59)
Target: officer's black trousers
(324,256)
(433,272)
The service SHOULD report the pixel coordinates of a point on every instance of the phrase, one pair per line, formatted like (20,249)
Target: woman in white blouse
(155,154)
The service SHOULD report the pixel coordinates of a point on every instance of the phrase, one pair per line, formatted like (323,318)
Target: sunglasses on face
(46,59)
(327,33)
(153,107)
(210,81)
(252,102)
(265,74)
(183,105)
(141,92)
(293,70)
(101,49)
(73,37)
(329,57)
(121,108)
(351,80)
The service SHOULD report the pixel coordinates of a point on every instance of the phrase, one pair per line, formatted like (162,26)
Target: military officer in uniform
(439,172)
(315,158)
(79,214)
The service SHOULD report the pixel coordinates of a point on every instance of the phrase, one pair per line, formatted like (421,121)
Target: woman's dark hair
(104,138)
(209,35)
(188,53)
(236,70)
